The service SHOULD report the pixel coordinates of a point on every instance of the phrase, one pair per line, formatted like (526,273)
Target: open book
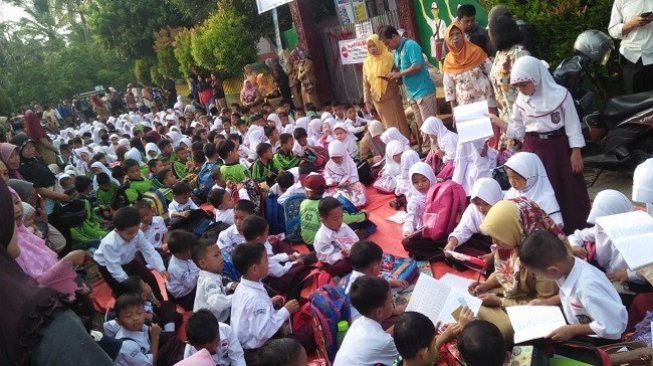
(533,322)
(632,234)
(472,122)
(438,301)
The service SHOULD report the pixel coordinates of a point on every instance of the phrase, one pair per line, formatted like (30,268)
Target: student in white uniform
(204,332)
(232,236)
(116,256)
(256,229)
(182,271)
(334,238)
(528,178)
(643,184)
(444,143)
(153,227)
(253,316)
(211,293)
(181,205)
(366,343)
(342,134)
(140,345)
(223,203)
(589,301)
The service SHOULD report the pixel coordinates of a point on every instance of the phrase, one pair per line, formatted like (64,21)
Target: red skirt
(569,188)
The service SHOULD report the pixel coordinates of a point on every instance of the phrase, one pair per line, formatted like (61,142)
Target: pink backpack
(445,203)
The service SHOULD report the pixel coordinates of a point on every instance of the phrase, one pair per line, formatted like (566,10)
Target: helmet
(594,44)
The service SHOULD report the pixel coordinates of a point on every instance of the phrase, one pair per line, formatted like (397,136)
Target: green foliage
(6,105)
(224,42)
(142,70)
(182,50)
(166,63)
(557,23)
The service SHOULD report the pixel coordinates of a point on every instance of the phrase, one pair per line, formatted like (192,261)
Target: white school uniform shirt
(227,353)
(354,126)
(156,231)
(470,224)
(588,297)
(352,277)
(229,238)
(294,189)
(136,350)
(366,344)
(182,276)
(278,264)
(226,216)
(253,316)
(639,42)
(298,149)
(181,207)
(328,244)
(114,252)
(211,295)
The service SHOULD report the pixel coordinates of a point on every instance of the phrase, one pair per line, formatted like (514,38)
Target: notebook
(632,234)
(534,322)
(472,122)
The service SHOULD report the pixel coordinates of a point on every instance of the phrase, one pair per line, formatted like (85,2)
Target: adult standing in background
(306,76)
(412,69)
(466,15)
(219,97)
(280,78)
(33,129)
(631,23)
(379,92)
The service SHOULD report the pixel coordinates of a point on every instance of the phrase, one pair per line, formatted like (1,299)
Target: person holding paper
(508,222)
(589,301)
(545,118)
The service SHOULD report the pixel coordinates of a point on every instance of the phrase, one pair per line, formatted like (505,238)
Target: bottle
(343,327)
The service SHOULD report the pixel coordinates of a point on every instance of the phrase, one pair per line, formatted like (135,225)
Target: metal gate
(347,80)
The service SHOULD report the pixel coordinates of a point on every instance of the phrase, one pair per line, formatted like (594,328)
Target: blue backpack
(274,215)
(205,180)
(292,218)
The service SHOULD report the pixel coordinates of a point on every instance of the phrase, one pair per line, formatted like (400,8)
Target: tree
(224,42)
(166,63)
(129,25)
(182,45)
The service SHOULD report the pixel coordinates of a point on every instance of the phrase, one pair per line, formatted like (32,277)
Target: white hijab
(609,202)
(404,184)
(538,187)
(106,170)
(302,122)
(314,129)
(349,141)
(325,115)
(175,137)
(150,146)
(347,170)
(548,95)
(255,136)
(393,133)
(425,170)
(488,190)
(134,154)
(447,140)
(186,141)
(643,184)
(392,168)
(375,128)
(277,121)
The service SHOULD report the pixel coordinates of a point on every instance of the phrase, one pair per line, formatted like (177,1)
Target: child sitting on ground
(104,194)
(589,301)
(253,315)
(366,343)
(315,185)
(387,181)
(89,233)
(301,142)
(285,158)
(183,273)
(136,185)
(263,169)
(334,239)
(365,258)
(181,205)
(153,227)
(282,352)
(164,181)
(232,170)
(211,292)
(233,236)
(480,343)
(117,257)
(203,331)
(223,203)
(341,175)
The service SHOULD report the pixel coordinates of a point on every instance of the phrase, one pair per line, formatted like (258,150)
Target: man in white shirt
(203,331)
(631,23)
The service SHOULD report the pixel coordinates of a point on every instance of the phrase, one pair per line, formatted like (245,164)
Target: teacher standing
(381,93)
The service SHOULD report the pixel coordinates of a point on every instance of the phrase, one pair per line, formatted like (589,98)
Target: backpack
(198,222)
(205,180)
(214,230)
(274,215)
(365,173)
(111,346)
(317,155)
(157,201)
(306,281)
(254,193)
(445,202)
(325,308)
(292,217)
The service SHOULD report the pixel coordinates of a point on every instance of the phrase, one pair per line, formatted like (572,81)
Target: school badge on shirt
(555,117)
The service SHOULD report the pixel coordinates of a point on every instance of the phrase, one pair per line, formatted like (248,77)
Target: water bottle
(343,327)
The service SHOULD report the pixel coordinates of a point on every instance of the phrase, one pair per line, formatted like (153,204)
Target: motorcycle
(618,130)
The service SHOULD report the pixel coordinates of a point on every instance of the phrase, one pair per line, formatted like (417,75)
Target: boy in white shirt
(117,257)
(253,316)
(354,123)
(211,292)
(366,343)
(181,205)
(589,301)
(153,227)
(233,236)
(334,238)
(203,331)
(223,203)
(182,271)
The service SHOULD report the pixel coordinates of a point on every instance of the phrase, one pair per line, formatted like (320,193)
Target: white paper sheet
(534,322)
(632,234)
(460,284)
(472,122)
(438,301)
(399,217)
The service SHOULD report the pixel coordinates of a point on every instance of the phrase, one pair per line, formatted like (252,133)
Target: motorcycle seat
(618,108)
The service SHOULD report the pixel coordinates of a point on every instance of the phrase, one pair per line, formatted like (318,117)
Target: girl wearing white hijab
(348,139)
(341,175)
(393,133)
(485,193)
(528,178)
(422,178)
(83,157)
(302,122)
(314,129)
(643,184)
(135,154)
(277,122)
(545,117)
(152,151)
(387,181)
(98,168)
(444,145)
(404,184)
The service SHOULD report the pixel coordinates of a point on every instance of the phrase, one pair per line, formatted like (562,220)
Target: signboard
(364,29)
(345,12)
(352,51)
(265,5)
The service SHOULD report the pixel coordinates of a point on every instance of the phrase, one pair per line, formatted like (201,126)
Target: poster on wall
(352,51)
(364,29)
(345,12)
(265,5)
(360,11)
(433,18)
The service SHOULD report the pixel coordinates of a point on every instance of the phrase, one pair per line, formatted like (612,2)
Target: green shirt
(234,172)
(137,188)
(261,172)
(285,162)
(89,231)
(105,198)
(309,218)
